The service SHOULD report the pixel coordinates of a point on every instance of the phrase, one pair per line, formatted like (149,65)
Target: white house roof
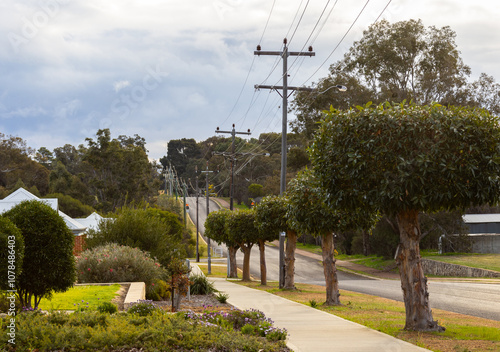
(21,194)
(481,218)
(91,221)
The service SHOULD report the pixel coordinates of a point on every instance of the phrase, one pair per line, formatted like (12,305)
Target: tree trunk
(246,262)
(291,243)
(263,270)
(366,243)
(233,271)
(330,270)
(413,281)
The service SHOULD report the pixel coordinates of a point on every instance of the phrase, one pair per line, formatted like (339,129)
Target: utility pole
(284,55)
(184,198)
(197,221)
(208,238)
(233,135)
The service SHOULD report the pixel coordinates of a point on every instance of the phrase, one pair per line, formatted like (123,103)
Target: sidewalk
(309,329)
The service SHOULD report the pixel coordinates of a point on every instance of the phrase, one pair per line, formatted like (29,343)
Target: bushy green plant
(116,263)
(107,307)
(150,230)
(313,303)
(11,253)
(201,286)
(159,331)
(159,290)
(48,264)
(222,297)
(143,308)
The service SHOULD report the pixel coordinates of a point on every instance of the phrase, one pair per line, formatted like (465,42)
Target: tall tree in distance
(396,62)
(402,159)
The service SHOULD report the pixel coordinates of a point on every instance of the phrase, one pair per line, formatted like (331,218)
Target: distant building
(484,231)
(78,226)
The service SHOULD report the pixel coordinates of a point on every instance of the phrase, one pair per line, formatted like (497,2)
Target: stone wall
(432,267)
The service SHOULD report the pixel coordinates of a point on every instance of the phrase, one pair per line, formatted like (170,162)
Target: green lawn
(78,296)
(482,261)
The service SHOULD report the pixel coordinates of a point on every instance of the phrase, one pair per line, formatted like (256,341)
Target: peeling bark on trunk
(330,270)
(233,271)
(291,244)
(246,262)
(413,281)
(263,269)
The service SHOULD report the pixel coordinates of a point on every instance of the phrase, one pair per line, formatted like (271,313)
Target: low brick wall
(432,267)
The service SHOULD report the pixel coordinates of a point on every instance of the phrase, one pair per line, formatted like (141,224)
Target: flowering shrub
(116,263)
(249,322)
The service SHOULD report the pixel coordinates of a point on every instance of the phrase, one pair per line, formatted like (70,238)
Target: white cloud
(117,86)
(57,82)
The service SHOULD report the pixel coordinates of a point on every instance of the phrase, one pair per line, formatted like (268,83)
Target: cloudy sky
(167,69)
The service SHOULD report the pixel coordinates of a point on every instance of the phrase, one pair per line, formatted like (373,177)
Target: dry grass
(463,332)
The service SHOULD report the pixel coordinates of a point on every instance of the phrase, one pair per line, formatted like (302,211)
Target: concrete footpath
(309,329)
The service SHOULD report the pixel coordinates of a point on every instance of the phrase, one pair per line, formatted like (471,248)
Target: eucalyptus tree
(216,229)
(403,159)
(270,219)
(308,213)
(241,229)
(394,62)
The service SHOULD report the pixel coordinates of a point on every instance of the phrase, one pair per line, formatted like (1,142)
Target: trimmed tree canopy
(401,157)
(49,264)
(11,253)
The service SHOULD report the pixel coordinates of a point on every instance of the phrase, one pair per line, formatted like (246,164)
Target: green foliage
(116,263)
(107,307)
(121,171)
(255,190)
(270,216)
(143,308)
(150,230)
(158,290)
(200,285)
(241,227)
(215,227)
(49,264)
(222,297)
(313,303)
(404,156)
(71,206)
(11,253)
(159,331)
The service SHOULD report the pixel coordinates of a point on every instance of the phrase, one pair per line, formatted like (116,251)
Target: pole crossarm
(280,53)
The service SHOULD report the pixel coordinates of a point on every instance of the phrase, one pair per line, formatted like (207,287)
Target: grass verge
(80,297)
(481,261)
(463,332)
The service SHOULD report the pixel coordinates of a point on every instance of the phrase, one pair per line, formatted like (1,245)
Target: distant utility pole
(197,221)
(233,135)
(208,238)
(284,55)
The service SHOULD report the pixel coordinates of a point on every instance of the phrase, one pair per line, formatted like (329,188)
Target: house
(484,231)
(78,227)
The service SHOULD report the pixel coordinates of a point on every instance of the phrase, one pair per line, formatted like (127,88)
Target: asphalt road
(471,298)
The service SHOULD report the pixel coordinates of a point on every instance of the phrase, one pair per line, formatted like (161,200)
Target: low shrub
(158,291)
(159,331)
(116,263)
(107,307)
(143,308)
(222,297)
(201,286)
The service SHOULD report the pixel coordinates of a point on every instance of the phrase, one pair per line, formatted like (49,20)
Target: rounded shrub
(143,308)
(158,291)
(49,263)
(116,263)
(11,253)
(107,307)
